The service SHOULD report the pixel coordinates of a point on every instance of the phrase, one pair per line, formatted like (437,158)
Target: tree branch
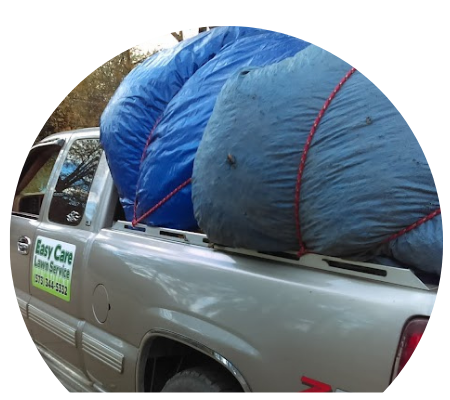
(178,36)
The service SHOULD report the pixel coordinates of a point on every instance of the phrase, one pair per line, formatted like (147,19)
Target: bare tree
(180,36)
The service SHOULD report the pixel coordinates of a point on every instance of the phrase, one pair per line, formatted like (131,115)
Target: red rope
(149,139)
(159,204)
(302,248)
(413,226)
(150,136)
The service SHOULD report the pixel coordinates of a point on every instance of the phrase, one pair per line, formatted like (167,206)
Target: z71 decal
(52,266)
(315,386)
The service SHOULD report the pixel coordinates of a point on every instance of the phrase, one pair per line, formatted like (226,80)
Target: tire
(202,379)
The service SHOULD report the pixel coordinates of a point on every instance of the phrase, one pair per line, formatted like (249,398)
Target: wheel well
(166,357)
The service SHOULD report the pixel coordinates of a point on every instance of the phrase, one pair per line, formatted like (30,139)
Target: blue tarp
(365,178)
(153,124)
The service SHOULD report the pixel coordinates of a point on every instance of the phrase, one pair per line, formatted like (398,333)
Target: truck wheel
(202,379)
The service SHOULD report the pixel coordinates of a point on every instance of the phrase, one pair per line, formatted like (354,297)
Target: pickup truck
(116,307)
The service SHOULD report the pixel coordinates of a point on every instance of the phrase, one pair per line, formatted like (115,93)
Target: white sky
(165,41)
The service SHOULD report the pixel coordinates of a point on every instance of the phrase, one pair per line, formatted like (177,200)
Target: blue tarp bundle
(365,177)
(152,126)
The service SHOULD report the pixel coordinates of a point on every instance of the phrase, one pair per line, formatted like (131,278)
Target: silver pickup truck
(112,307)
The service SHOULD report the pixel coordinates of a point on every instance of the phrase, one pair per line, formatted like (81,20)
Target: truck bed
(248,305)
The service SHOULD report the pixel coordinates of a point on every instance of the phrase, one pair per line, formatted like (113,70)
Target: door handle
(23,245)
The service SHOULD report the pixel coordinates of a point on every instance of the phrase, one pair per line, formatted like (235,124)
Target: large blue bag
(364,178)
(152,126)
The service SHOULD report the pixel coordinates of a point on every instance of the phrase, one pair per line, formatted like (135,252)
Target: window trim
(59,142)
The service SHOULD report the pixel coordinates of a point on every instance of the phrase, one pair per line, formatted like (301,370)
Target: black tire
(202,379)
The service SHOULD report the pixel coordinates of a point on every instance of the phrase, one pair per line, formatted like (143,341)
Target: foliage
(83,106)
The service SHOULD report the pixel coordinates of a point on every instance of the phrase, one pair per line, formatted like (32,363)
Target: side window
(74,183)
(34,179)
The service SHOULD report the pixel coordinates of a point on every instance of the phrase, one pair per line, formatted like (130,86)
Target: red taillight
(409,341)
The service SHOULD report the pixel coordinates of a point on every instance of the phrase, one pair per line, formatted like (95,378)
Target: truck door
(31,194)
(60,250)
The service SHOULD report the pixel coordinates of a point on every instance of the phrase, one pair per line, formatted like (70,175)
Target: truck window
(33,181)
(74,182)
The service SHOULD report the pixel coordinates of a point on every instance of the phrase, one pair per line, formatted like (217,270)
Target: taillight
(412,333)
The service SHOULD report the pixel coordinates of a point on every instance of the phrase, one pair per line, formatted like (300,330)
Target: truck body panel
(268,319)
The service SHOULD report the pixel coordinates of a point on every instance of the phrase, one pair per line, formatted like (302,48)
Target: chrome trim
(105,354)
(23,305)
(72,380)
(23,245)
(205,350)
(166,234)
(99,388)
(60,329)
(390,275)
(53,142)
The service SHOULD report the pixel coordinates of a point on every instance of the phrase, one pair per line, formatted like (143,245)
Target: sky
(164,41)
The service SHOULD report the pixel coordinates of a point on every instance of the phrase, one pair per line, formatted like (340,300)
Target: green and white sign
(52,266)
